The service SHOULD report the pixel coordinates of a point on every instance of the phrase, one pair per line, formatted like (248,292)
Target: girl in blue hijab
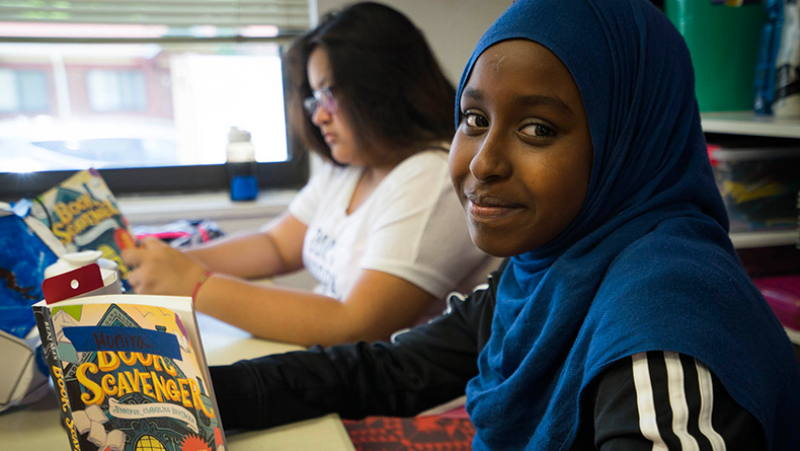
(623,319)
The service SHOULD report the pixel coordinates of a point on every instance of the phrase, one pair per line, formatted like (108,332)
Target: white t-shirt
(412,226)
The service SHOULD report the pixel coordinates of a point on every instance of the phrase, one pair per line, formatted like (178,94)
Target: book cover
(130,374)
(83,214)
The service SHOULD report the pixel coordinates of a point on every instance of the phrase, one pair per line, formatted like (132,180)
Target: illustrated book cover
(83,214)
(130,374)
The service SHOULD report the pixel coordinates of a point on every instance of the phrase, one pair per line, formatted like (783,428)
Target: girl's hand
(160,269)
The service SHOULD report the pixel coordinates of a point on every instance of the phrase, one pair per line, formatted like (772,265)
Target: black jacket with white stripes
(654,401)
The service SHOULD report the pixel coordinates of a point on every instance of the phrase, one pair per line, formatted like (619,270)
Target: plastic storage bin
(759,186)
(723,42)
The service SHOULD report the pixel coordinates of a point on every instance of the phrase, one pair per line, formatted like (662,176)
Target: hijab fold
(647,265)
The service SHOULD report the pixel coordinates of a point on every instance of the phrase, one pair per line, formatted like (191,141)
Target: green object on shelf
(723,42)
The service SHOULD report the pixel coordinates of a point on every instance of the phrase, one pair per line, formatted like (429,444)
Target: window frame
(163,180)
(292,173)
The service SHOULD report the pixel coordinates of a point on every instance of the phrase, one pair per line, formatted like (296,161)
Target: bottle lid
(237,134)
(72,261)
(239,149)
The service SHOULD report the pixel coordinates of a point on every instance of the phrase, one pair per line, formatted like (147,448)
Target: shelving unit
(744,240)
(748,123)
(794,336)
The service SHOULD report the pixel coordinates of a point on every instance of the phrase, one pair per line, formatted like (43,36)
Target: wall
(452,27)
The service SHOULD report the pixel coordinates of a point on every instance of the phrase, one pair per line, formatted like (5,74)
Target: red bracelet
(199,284)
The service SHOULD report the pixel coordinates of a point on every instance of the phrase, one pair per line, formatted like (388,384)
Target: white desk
(36,427)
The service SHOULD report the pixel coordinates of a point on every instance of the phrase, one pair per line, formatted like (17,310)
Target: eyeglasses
(321,98)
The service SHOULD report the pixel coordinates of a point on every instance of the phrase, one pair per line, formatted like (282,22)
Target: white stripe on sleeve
(707,407)
(677,401)
(645,403)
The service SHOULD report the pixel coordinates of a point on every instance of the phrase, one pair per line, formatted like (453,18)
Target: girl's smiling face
(522,155)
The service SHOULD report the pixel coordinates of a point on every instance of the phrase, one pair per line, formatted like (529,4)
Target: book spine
(49,345)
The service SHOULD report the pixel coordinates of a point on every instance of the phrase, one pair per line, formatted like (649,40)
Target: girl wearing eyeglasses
(379,225)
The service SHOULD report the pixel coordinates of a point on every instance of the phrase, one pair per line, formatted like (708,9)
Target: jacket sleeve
(668,401)
(419,369)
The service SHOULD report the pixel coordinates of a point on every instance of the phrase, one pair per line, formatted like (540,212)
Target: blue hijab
(647,265)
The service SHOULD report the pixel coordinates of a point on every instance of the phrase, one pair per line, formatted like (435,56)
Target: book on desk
(83,214)
(130,373)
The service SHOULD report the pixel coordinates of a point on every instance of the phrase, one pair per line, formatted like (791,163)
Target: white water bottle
(109,270)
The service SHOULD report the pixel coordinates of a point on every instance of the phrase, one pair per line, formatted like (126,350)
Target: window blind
(228,17)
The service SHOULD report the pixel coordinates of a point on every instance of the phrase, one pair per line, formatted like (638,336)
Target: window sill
(231,217)
(216,206)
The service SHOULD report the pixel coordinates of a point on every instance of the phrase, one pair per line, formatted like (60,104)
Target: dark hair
(386,79)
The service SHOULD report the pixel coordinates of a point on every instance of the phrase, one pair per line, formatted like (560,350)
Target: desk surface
(36,427)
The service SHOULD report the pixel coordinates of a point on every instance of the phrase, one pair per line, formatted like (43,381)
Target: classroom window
(173,105)
(143,94)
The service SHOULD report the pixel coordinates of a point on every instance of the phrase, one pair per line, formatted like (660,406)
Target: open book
(130,373)
(83,214)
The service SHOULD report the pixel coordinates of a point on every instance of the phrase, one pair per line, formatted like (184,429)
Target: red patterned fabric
(429,433)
